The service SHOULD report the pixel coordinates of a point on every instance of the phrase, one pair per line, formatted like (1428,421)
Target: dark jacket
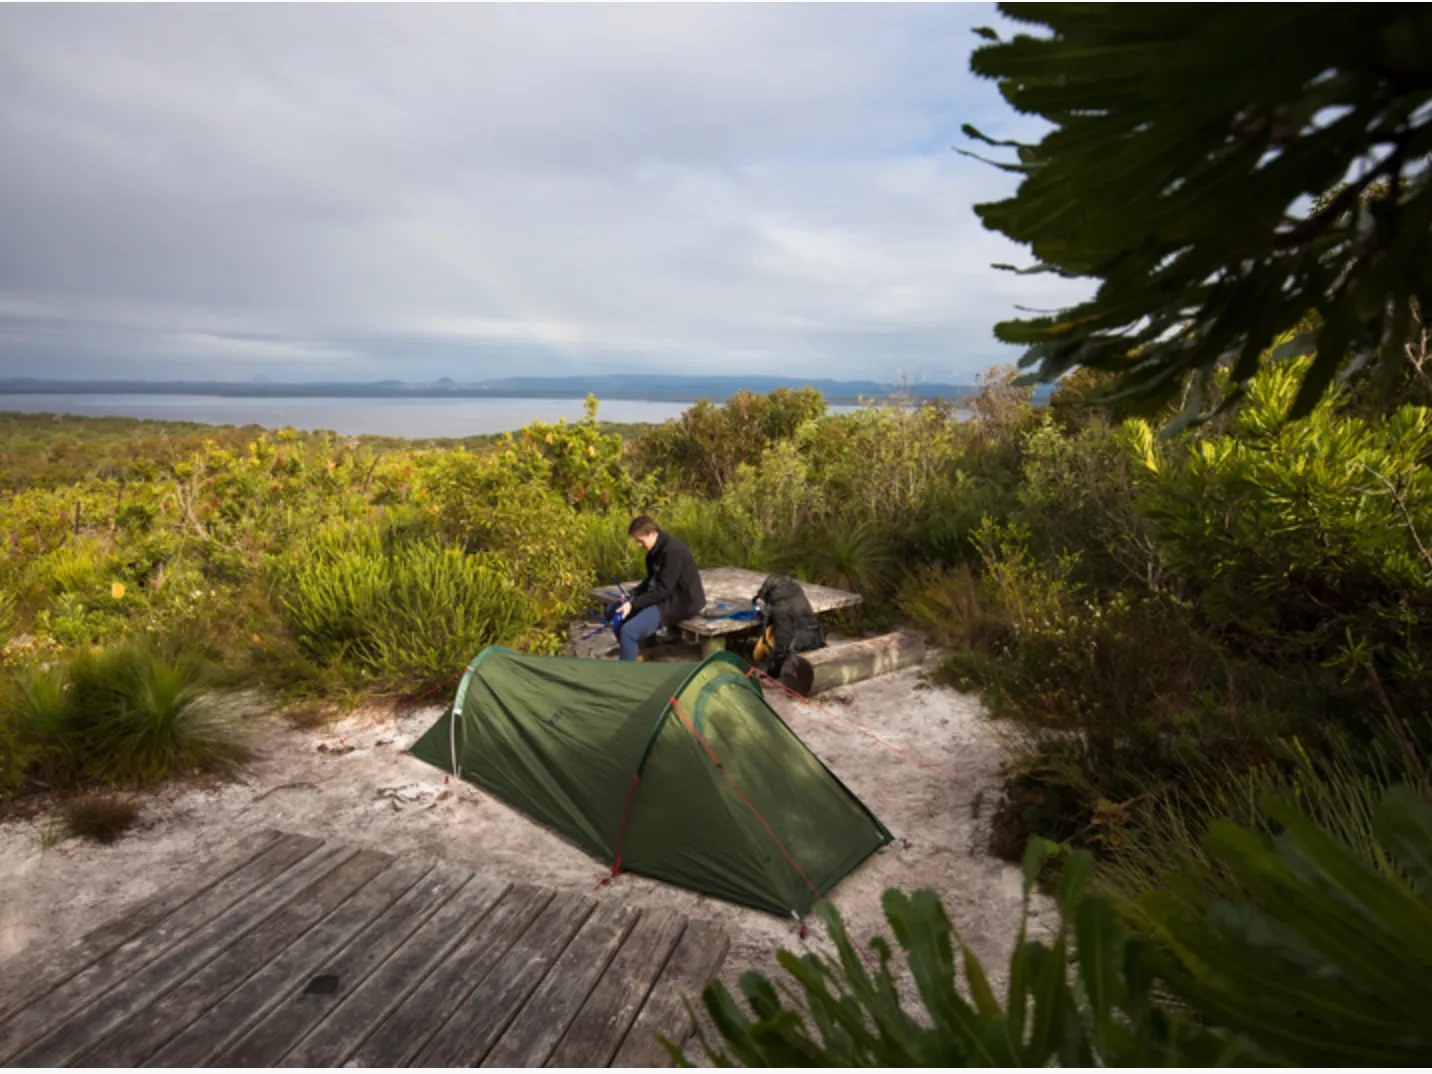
(672,583)
(793,623)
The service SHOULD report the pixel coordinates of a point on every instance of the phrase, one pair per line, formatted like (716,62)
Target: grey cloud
(459,190)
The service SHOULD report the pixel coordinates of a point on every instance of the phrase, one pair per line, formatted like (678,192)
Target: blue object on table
(740,615)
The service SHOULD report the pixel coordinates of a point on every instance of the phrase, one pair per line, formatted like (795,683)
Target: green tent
(680,772)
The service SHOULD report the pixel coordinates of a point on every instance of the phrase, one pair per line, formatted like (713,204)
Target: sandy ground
(354,783)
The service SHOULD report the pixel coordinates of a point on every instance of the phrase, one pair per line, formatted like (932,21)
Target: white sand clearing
(353,783)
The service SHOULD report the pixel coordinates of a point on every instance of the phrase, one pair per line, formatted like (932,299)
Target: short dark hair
(641,526)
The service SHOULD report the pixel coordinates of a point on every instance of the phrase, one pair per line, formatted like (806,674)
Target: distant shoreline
(623,397)
(616,388)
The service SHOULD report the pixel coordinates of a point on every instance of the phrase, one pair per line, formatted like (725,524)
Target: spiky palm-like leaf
(1326,960)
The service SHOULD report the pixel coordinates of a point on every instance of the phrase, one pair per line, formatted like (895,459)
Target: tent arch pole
(456,710)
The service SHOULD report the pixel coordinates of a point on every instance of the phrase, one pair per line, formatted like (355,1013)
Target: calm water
(351,417)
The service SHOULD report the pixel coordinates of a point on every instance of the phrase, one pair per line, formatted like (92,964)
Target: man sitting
(670,593)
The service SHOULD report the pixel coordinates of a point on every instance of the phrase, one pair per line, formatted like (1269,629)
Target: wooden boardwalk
(298,952)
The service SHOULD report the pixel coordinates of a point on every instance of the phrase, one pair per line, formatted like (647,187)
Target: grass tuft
(101,818)
(131,713)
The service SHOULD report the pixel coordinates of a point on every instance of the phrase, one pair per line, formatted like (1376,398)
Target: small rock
(384,742)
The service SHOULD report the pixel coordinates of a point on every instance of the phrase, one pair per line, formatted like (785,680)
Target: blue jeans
(639,625)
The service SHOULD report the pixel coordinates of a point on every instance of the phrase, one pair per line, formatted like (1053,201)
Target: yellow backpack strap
(766,645)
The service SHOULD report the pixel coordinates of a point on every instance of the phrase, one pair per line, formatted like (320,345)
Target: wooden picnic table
(731,589)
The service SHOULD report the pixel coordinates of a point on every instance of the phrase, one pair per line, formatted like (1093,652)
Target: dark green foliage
(45,736)
(1185,148)
(609,548)
(951,514)
(700,451)
(1338,784)
(856,556)
(1303,542)
(410,613)
(7,615)
(715,535)
(1325,959)
(132,713)
(1319,959)
(580,462)
(1079,496)
(1081,997)
(143,715)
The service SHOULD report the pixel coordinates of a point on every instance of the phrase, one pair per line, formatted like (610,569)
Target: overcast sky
(366,192)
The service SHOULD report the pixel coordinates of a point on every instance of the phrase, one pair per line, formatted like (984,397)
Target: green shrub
(128,713)
(80,567)
(716,536)
(609,549)
(527,532)
(15,756)
(1079,494)
(579,462)
(1115,698)
(856,556)
(1337,785)
(1319,958)
(406,615)
(7,615)
(1304,539)
(880,464)
(701,451)
(774,502)
(41,715)
(950,604)
(144,715)
(945,526)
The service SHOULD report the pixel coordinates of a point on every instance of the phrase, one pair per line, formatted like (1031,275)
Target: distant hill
(633,386)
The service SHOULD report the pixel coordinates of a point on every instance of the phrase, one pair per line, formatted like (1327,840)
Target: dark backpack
(794,626)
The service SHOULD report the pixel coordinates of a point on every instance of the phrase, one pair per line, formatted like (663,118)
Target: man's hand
(625,609)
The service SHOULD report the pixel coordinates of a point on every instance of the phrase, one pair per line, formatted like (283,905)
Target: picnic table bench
(732,589)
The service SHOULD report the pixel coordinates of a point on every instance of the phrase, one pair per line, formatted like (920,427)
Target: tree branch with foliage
(1233,177)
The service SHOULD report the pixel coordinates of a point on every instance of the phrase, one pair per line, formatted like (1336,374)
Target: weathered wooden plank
(32,1022)
(535,1031)
(692,964)
(244,851)
(299,1011)
(147,1030)
(485,1013)
(423,1014)
(83,1029)
(241,1009)
(604,1020)
(855,661)
(24,980)
(346,1027)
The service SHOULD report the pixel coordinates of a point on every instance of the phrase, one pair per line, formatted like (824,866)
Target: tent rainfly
(680,772)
